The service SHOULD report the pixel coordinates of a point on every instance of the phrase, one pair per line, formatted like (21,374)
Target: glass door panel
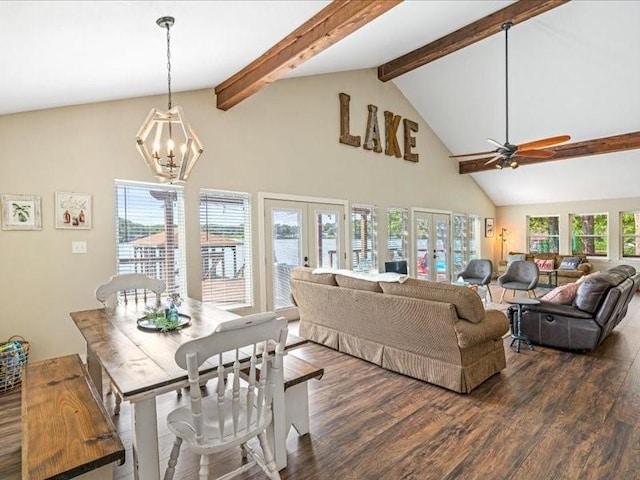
(286,252)
(441,223)
(422,233)
(299,233)
(432,246)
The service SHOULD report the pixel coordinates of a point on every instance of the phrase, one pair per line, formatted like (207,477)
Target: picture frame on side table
(488,227)
(21,212)
(73,211)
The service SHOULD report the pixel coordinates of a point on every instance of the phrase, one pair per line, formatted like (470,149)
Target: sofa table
(552,276)
(517,335)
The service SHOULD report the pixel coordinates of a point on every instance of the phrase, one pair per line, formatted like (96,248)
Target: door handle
(306,261)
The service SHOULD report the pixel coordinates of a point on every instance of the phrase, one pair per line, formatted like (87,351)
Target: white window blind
(363,222)
(225,247)
(460,241)
(150,232)
(397,233)
(474,237)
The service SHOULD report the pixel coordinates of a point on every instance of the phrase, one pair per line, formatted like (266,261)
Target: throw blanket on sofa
(372,277)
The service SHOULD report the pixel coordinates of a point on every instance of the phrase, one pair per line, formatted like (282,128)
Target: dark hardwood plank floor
(549,415)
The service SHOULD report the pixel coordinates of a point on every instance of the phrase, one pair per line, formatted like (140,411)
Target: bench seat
(66,431)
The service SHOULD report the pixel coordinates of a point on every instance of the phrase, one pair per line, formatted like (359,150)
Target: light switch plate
(78,247)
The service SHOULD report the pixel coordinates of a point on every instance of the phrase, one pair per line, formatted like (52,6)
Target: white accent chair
(237,411)
(135,286)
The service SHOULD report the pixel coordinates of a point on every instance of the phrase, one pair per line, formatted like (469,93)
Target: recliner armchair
(478,272)
(520,275)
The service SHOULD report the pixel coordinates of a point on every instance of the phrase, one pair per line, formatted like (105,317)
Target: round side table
(517,335)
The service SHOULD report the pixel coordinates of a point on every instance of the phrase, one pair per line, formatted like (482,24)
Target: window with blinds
(225,247)
(363,222)
(150,232)
(397,233)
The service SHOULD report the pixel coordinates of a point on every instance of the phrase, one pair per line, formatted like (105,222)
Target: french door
(432,246)
(299,233)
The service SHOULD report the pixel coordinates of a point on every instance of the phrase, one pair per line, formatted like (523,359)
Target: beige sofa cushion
(305,274)
(357,283)
(467,302)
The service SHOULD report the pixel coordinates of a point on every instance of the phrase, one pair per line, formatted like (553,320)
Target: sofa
(439,333)
(600,303)
(564,276)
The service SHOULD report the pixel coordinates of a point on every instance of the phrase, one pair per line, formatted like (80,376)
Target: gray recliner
(478,272)
(520,275)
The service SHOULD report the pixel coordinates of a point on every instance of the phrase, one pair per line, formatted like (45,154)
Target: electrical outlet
(78,247)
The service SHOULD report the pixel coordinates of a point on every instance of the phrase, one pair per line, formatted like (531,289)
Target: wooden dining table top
(140,361)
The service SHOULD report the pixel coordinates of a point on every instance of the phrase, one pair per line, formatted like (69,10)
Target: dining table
(140,365)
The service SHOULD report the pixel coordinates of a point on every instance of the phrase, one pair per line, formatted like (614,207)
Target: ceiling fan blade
(493,142)
(534,153)
(472,154)
(544,142)
(497,157)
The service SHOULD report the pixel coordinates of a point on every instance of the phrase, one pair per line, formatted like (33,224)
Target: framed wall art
(73,210)
(488,227)
(21,212)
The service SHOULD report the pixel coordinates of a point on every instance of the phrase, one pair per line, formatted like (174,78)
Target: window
(543,235)
(363,221)
(474,237)
(466,239)
(225,249)
(589,234)
(150,232)
(630,230)
(460,243)
(397,233)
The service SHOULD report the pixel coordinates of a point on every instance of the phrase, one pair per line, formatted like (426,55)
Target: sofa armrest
(493,326)
(585,267)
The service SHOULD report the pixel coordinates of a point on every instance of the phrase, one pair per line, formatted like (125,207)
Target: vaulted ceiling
(572,70)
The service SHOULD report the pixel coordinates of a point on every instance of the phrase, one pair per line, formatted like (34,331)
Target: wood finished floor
(549,415)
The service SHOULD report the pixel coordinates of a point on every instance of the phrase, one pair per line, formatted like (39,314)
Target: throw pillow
(569,263)
(563,295)
(544,263)
(514,258)
(584,277)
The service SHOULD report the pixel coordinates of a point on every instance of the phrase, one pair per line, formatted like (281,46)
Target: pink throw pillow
(544,264)
(564,294)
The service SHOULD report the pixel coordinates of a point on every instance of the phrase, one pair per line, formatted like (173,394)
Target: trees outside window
(630,232)
(543,234)
(589,234)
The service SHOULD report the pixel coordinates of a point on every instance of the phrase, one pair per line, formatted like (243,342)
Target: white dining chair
(238,410)
(131,287)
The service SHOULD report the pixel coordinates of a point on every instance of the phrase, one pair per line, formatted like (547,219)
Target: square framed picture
(21,212)
(488,227)
(73,210)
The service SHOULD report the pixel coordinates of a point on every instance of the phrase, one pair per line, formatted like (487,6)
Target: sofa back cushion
(467,302)
(592,291)
(306,274)
(346,281)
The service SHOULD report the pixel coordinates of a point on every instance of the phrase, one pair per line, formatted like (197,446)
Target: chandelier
(165,140)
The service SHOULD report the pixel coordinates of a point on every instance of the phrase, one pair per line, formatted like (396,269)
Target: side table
(552,276)
(517,335)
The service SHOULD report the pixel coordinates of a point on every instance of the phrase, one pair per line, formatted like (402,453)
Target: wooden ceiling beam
(516,13)
(333,23)
(598,146)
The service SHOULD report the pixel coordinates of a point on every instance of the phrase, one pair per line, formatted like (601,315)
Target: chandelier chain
(169,63)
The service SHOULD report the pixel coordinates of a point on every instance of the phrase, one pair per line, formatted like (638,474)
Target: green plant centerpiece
(165,319)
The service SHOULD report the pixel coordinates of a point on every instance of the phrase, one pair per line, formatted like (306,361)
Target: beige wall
(514,219)
(283,139)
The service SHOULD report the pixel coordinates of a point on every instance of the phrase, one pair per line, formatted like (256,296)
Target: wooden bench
(296,373)
(66,431)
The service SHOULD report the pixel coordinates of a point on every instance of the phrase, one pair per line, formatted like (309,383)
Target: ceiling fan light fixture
(165,140)
(513,164)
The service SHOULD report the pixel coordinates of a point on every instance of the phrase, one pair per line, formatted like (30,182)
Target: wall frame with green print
(21,212)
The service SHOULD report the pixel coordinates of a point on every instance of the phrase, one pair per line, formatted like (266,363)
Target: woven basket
(14,354)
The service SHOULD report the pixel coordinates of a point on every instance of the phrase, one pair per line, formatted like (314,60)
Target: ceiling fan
(506,153)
